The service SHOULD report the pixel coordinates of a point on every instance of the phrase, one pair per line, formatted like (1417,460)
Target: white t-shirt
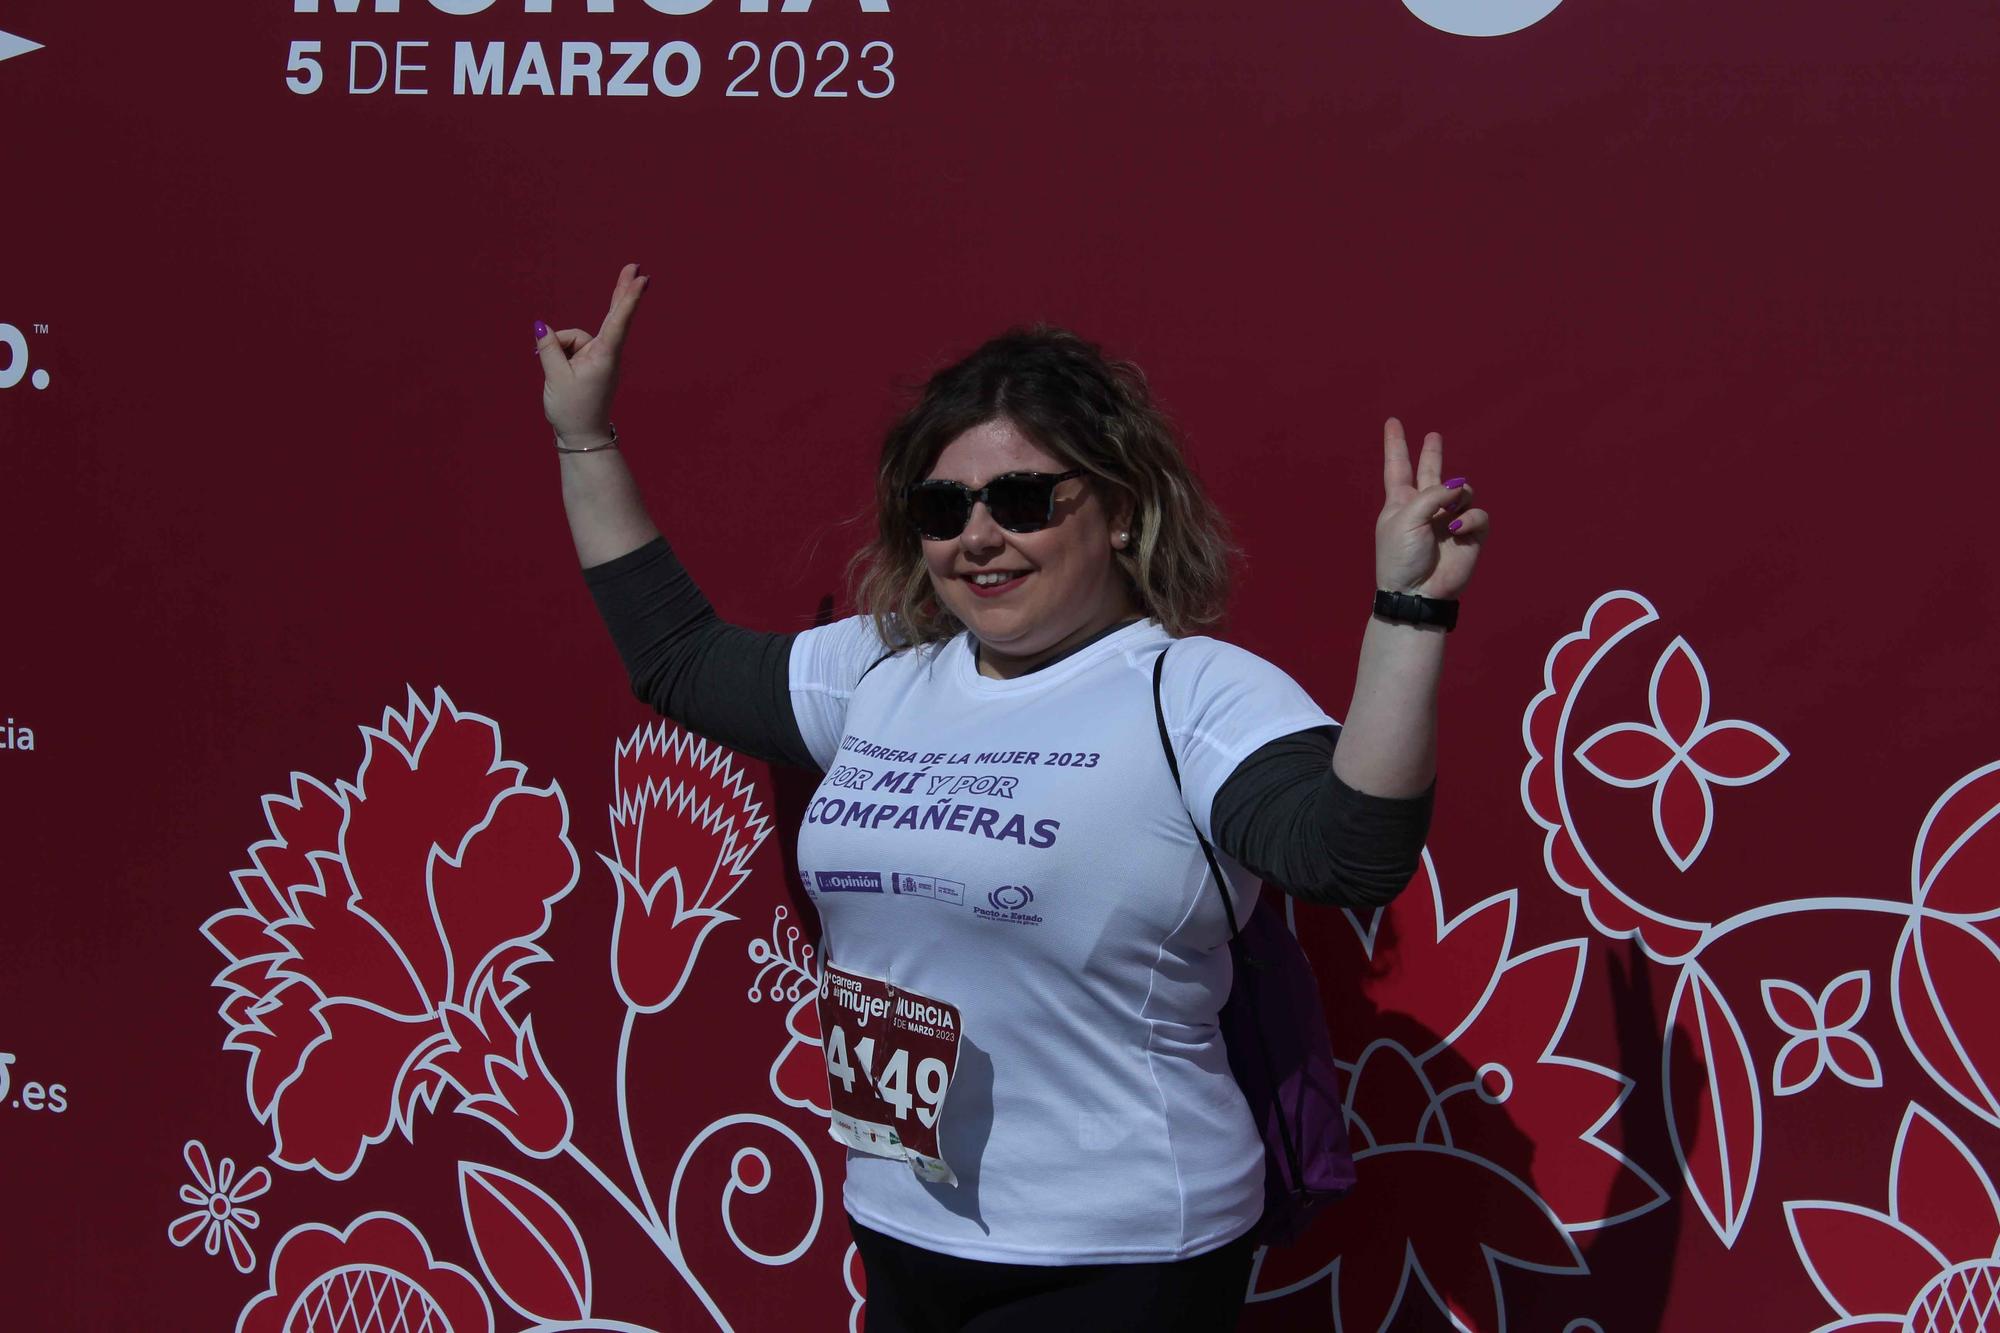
(1064,906)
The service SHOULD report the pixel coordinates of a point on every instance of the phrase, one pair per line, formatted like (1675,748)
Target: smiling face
(1063,585)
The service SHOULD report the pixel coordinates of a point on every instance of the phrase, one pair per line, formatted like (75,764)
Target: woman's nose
(981,532)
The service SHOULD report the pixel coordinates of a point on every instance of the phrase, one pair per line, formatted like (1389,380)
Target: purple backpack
(1280,1053)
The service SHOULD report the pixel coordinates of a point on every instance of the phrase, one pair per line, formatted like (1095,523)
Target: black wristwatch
(1414,610)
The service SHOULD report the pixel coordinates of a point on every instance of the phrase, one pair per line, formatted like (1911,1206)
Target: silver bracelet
(562,448)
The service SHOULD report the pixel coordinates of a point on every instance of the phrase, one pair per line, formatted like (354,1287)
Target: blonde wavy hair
(1094,413)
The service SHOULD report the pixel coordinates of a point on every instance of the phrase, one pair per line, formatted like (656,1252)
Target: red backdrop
(1685,1026)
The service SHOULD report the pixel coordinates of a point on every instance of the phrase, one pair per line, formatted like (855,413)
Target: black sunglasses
(1018,501)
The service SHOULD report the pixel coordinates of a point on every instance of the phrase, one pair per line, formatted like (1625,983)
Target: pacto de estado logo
(15,368)
(1011,897)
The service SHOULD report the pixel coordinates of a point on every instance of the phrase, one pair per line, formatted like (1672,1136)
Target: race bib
(890,1055)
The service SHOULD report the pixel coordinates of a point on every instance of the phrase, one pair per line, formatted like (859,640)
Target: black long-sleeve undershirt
(1283,813)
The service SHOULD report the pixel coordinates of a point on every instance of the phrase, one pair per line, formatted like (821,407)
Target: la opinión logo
(16,367)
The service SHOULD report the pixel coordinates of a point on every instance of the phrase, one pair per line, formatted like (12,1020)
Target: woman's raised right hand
(580,372)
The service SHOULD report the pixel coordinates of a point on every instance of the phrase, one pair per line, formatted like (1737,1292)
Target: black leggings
(914,1290)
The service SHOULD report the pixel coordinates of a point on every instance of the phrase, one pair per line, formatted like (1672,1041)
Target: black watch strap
(1415,610)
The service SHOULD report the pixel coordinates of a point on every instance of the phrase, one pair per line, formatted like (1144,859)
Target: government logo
(928,886)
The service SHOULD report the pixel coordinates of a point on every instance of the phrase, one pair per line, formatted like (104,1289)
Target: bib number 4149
(890,1053)
(892,1082)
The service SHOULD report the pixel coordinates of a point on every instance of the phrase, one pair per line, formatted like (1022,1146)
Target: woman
(999,835)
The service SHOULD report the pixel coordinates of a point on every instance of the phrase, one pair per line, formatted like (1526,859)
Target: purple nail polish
(1454,525)
(541,330)
(1455,483)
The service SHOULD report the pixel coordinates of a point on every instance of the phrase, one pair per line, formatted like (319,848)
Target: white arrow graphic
(11,46)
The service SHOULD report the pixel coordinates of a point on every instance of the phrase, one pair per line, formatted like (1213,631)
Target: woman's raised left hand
(1428,535)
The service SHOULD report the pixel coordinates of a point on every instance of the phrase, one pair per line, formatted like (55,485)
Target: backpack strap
(1283,1122)
(1167,744)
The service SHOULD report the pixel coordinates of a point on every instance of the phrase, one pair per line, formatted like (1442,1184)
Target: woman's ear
(1122,536)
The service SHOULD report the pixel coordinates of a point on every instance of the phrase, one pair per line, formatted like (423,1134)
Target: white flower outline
(217,1197)
(1680,753)
(1820,1032)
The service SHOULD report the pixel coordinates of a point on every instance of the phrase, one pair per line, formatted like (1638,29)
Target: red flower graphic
(1681,755)
(856,1279)
(377,1275)
(500,1070)
(1820,1034)
(1928,1265)
(1947,968)
(785,975)
(1481,1111)
(685,825)
(798,1075)
(382,927)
